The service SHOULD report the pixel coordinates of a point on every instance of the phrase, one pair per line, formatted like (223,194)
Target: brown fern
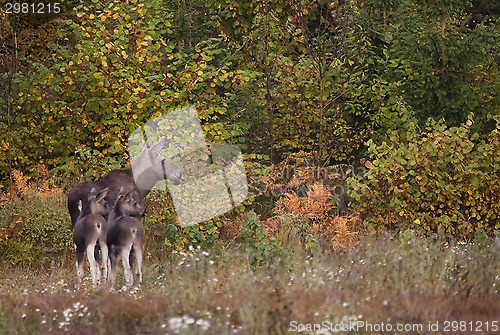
(315,210)
(20,185)
(318,201)
(343,237)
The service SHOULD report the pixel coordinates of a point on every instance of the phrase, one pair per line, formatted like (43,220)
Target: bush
(310,219)
(252,235)
(35,230)
(440,180)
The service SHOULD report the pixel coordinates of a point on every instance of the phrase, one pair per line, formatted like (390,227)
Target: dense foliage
(439,180)
(106,73)
(316,76)
(32,235)
(308,77)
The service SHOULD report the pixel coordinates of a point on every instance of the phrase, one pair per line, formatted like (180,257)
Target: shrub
(35,229)
(163,231)
(252,235)
(442,180)
(311,218)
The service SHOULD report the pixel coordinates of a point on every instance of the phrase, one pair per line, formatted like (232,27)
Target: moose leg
(94,266)
(79,265)
(127,271)
(104,262)
(138,261)
(113,259)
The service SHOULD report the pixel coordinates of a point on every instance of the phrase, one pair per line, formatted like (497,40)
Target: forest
(370,132)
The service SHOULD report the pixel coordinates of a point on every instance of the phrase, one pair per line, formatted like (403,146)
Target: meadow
(385,284)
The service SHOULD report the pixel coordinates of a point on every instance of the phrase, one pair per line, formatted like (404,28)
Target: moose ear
(160,145)
(92,193)
(101,195)
(148,144)
(121,191)
(129,192)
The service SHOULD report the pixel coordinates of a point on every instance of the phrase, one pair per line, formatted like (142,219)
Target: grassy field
(385,285)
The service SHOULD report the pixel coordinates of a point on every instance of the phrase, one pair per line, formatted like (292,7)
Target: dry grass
(406,279)
(409,280)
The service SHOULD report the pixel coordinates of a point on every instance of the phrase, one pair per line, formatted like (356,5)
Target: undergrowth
(385,279)
(243,275)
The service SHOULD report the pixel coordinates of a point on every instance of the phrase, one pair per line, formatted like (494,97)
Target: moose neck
(118,211)
(145,182)
(115,215)
(89,208)
(145,170)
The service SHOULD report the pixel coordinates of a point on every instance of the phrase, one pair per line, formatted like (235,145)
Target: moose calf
(125,236)
(90,229)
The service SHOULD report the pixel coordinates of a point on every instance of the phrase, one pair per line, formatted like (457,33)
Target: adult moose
(146,170)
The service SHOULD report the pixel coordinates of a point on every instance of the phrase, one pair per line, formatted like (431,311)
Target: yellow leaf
(416,221)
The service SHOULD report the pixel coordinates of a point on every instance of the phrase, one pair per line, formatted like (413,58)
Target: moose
(146,170)
(125,236)
(90,229)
